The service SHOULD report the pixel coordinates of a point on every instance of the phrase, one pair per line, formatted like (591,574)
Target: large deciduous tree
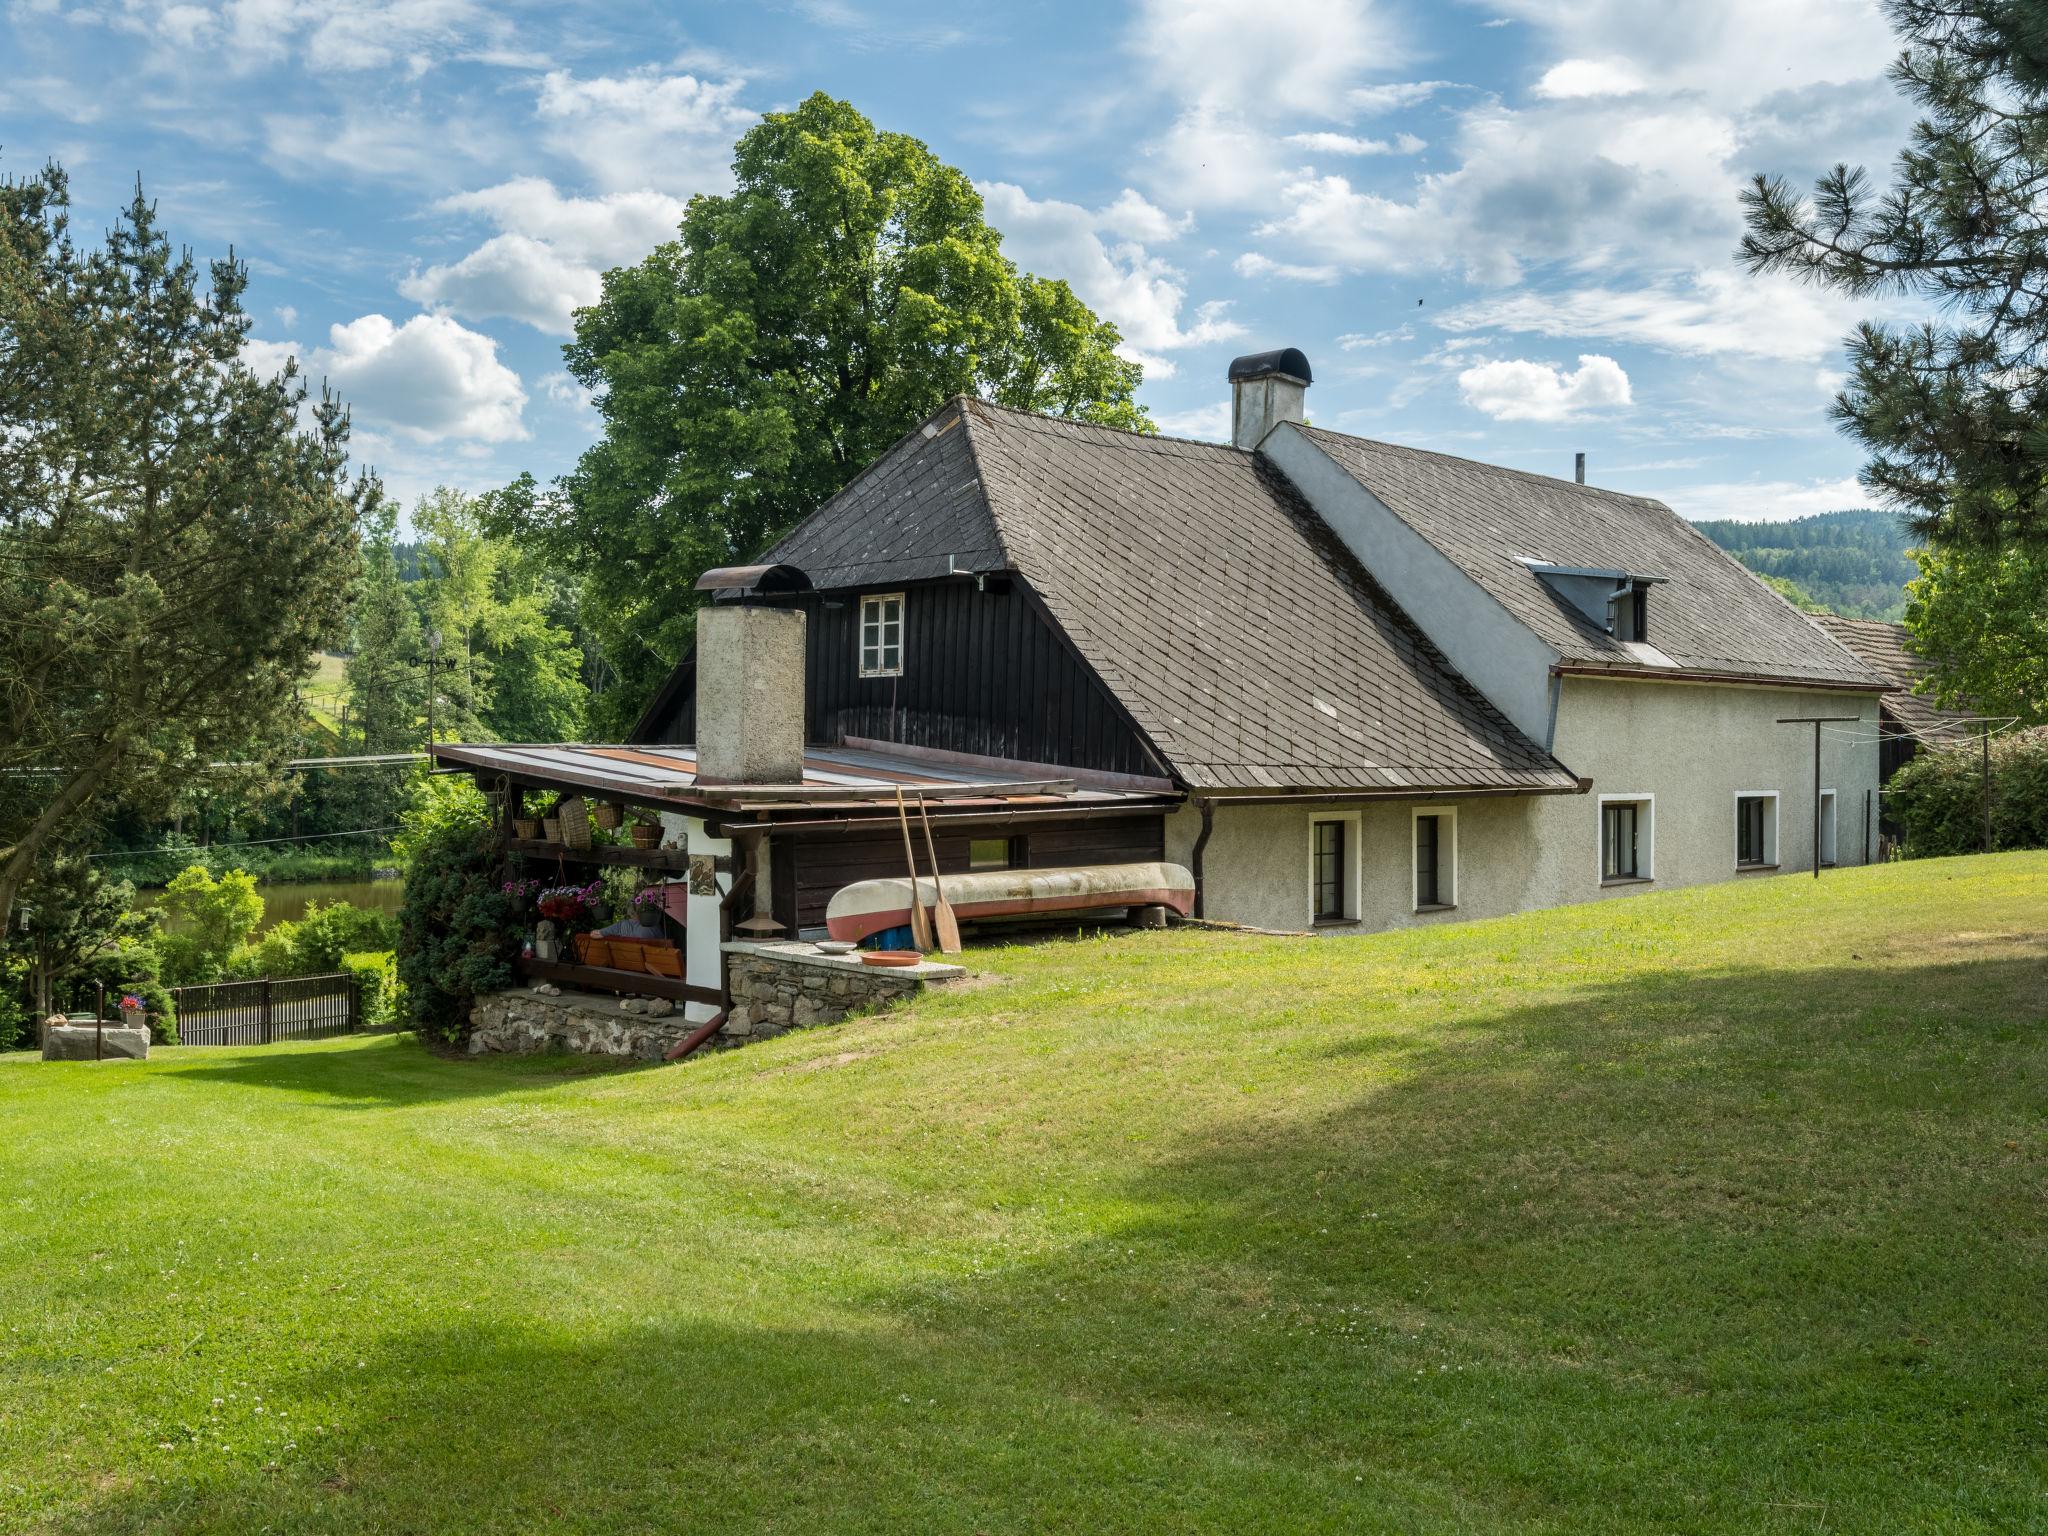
(1980,620)
(844,289)
(177,534)
(1954,413)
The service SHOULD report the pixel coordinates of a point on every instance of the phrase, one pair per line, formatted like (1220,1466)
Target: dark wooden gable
(985,672)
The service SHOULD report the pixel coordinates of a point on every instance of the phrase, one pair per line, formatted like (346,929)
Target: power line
(254,842)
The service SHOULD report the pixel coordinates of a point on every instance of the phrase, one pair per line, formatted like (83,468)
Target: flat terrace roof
(838,782)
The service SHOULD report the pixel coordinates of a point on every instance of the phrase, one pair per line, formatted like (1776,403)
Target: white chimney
(1266,388)
(750,694)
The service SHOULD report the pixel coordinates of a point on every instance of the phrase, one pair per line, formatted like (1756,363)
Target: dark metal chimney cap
(1287,361)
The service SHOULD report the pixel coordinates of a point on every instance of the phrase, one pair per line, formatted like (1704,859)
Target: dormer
(1617,602)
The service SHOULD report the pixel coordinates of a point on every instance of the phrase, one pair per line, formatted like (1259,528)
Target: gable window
(881,635)
(1333,856)
(1625,837)
(1756,831)
(1436,860)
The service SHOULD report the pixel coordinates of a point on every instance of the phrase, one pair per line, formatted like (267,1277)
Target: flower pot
(135,1018)
(646,836)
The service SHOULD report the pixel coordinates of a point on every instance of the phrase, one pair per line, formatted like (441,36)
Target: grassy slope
(1717,1210)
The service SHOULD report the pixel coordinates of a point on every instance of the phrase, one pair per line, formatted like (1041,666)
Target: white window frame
(1646,838)
(1773,827)
(1446,858)
(881,646)
(1348,876)
(1830,807)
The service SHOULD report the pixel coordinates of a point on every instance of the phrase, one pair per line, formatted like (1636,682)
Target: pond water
(286,903)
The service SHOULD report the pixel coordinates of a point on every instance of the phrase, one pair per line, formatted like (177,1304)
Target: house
(1906,717)
(1348,685)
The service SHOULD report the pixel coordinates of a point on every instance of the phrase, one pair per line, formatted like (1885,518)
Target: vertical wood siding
(983,673)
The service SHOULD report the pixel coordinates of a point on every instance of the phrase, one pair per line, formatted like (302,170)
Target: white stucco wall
(1690,748)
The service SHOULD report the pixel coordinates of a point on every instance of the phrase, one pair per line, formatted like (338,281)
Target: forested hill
(1852,563)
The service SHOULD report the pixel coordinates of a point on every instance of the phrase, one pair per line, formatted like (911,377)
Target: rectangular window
(1756,830)
(881,635)
(1436,859)
(995,853)
(1624,840)
(1827,827)
(1328,870)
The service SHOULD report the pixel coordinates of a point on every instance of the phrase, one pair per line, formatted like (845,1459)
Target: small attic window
(881,635)
(1632,613)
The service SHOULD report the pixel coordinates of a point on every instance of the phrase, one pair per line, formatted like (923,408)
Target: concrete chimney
(1266,388)
(750,694)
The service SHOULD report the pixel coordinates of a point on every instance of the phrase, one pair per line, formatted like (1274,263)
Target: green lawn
(1705,1211)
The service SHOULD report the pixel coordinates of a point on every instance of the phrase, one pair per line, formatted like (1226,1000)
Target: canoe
(868,907)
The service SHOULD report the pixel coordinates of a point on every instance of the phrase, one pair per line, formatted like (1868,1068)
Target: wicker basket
(523,828)
(575,817)
(608,816)
(550,829)
(646,835)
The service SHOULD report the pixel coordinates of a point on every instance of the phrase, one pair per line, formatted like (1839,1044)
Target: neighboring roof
(836,779)
(1887,648)
(1708,615)
(1232,626)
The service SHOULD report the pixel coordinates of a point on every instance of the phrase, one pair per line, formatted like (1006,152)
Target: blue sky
(1501,229)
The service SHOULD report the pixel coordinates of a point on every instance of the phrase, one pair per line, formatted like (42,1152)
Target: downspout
(705,1031)
(1208,808)
(1550,730)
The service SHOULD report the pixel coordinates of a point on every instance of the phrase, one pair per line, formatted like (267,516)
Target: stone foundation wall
(780,987)
(582,1022)
(775,988)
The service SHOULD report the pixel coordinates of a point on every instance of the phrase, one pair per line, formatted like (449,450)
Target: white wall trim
(1774,828)
(1350,875)
(1646,835)
(1447,857)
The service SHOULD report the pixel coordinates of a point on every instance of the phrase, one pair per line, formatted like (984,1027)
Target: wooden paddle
(943,919)
(920,922)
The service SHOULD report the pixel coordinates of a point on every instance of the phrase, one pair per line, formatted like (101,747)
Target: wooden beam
(604,978)
(643,858)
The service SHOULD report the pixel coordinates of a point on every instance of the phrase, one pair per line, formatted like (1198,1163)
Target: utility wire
(254,842)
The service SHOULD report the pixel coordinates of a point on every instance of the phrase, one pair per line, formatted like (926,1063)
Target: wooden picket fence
(272,1008)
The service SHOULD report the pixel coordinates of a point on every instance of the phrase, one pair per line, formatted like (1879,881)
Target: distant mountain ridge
(1854,563)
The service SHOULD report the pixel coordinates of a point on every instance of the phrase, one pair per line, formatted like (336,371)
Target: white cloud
(547,261)
(1766,501)
(1210,423)
(1371,100)
(674,132)
(429,380)
(1253,264)
(336,36)
(1589,77)
(1710,312)
(1350,144)
(1135,219)
(1519,390)
(1138,292)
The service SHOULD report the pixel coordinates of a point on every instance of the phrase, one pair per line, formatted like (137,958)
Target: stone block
(76,1042)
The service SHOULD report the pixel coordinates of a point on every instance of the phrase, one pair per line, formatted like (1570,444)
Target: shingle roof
(1237,631)
(1709,615)
(1886,648)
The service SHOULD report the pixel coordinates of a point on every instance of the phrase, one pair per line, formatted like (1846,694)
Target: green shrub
(1938,798)
(383,997)
(274,952)
(456,932)
(216,917)
(327,933)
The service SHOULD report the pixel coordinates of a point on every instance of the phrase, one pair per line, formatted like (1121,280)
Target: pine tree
(385,682)
(1955,413)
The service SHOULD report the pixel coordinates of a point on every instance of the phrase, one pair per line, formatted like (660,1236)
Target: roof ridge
(1491,468)
(1098,426)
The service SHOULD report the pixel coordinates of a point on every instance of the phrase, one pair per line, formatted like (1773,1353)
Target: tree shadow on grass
(397,1071)
(1726,1252)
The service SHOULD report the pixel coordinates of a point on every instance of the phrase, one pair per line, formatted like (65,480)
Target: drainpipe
(1208,808)
(704,1032)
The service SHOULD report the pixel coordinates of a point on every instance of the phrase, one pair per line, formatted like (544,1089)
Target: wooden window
(1756,830)
(881,635)
(995,853)
(1436,859)
(1622,854)
(1327,867)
